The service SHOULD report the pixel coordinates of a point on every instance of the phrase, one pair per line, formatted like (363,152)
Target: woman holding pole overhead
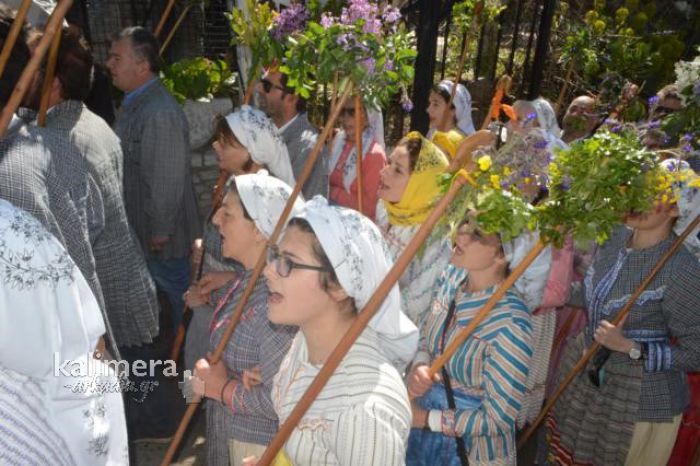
(408,190)
(343,164)
(470,414)
(626,408)
(327,266)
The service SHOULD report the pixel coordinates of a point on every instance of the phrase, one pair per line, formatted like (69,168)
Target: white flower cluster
(688,79)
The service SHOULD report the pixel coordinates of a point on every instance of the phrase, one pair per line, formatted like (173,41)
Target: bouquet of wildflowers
(683,126)
(365,44)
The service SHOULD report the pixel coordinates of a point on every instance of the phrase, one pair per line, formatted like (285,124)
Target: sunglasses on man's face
(268,85)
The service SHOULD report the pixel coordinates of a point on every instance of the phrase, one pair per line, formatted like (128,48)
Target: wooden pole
(164,18)
(360,323)
(174,29)
(562,93)
(581,364)
(484,312)
(48,79)
(358,148)
(12,36)
(52,27)
(462,60)
(257,271)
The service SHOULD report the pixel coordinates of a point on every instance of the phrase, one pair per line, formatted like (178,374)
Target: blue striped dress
(491,366)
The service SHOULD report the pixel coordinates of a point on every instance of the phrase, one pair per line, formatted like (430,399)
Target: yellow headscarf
(422,188)
(448,141)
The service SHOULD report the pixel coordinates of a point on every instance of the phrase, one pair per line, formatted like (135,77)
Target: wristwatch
(636,351)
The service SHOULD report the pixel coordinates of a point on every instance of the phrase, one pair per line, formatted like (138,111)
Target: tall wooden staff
(257,271)
(11,38)
(478,8)
(359,121)
(164,18)
(360,323)
(175,27)
(581,364)
(48,79)
(562,93)
(52,27)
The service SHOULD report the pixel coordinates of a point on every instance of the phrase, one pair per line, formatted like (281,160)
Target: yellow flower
(484,162)
(527,180)
(695,183)
(507,171)
(496,181)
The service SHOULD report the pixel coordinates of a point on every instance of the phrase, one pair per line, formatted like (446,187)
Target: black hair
(301,102)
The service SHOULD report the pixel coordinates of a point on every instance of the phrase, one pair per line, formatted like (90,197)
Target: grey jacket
(129,291)
(300,137)
(158,191)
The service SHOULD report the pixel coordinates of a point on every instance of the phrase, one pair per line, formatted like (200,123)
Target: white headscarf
(260,137)
(374,132)
(688,201)
(532,282)
(463,106)
(361,260)
(546,117)
(51,320)
(264,197)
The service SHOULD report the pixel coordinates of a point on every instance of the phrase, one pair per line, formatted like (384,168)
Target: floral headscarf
(423,185)
(258,135)
(264,197)
(360,259)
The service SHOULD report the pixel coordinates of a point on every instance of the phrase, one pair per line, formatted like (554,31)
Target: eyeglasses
(347,111)
(284,265)
(268,86)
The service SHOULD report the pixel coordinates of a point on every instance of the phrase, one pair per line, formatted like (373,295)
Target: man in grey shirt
(158,191)
(288,112)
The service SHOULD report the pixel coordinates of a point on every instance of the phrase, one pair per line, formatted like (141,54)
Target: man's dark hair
(74,67)
(145,45)
(301,102)
(19,57)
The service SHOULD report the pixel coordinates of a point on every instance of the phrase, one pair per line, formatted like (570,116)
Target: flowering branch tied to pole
(360,323)
(581,364)
(13,34)
(257,271)
(48,79)
(52,27)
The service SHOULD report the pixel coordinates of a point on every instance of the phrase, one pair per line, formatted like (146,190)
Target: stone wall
(205,169)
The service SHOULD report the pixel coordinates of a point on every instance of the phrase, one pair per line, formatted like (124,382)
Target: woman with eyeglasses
(408,190)
(342,164)
(328,264)
(241,419)
(449,126)
(469,411)
(626,406)
(245,141)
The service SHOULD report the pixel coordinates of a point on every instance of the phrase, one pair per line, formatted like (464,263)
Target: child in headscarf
(449,126)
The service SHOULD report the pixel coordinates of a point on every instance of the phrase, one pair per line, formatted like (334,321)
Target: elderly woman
(51,326)
(342,164)
(241,421)
(449,126)
(245,141)
(626,407)
(472,412)
(327,266)
(408,191)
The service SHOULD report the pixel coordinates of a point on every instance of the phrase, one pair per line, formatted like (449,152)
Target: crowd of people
(94,220)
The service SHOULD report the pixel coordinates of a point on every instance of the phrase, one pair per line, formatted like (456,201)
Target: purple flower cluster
(406,103)
(362,10)
(391,15)
(289,21)
(653,101)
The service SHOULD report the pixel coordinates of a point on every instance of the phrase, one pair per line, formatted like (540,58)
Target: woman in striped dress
(486,375)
